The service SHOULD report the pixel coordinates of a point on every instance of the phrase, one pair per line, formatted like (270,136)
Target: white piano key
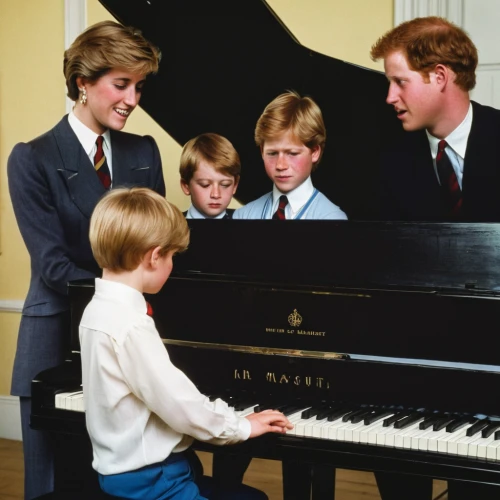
(349,432)
(311,427)
(381,435)
(458,437)
(432,442)
(419,439)
(444,440)
(300,426)
(482,447)
(463,446)
(390,437)
(399,437)
(493,449)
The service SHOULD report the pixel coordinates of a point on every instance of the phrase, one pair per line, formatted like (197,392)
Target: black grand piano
(316,317)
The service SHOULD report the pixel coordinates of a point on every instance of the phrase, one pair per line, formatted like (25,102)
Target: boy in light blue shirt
(291,135)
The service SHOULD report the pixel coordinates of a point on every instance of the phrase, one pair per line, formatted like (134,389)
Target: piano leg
(297,480)
(323,482)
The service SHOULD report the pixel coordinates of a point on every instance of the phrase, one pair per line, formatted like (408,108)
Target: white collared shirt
(297,198)
(87,138)
(194,213)
(139,407)
(457,145)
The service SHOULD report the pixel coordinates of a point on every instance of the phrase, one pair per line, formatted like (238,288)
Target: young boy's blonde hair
(215,150)
(128,222)
(289,111)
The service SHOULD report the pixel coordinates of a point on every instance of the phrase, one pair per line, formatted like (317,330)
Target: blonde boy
(210,171)
(291,136)
(141,411)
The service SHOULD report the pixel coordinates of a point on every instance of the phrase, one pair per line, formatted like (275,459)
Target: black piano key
(397,416)
(290,410)
(497,435)
(336,414)
(409,420)
(360,416)
(442,423)
(459,423)
(347,417)
(477,427)
(430,420)
(377,415)
(328,411)
(490,429)
(315,410)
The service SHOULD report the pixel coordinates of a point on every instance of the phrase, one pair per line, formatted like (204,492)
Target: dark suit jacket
(54,189)
(409,187)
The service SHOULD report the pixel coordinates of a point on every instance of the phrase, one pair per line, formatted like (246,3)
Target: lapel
(83,185)
(121,160)
(478,161)
(424,184)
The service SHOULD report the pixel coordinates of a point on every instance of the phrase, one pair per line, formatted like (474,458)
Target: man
(447,168)
(430,64)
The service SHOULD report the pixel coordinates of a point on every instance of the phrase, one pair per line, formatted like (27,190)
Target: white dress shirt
(194,213)
(87,138)
(457,145)
(296,198)
(139,406)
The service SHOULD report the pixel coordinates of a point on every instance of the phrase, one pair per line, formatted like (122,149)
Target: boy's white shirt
(139,406)
(194,213)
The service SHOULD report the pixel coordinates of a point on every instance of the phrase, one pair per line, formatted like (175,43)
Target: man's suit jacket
(409,187)
(54,189)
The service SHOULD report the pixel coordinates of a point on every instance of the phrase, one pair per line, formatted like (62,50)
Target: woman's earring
(83,98)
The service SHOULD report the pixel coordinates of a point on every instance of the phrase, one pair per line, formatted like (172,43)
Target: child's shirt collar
(194,213)
(297,198)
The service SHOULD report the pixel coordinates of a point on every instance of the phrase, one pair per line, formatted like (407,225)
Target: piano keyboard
(413,430)
(72,400)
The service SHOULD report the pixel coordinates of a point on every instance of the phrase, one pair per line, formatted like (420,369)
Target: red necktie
(450,188)
(149,309)
(280,212)
(100,164)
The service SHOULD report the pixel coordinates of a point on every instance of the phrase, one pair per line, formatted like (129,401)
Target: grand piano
(363,317)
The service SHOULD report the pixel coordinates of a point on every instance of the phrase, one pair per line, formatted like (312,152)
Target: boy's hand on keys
(268,421)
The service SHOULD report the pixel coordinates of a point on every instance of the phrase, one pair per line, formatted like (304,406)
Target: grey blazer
(54,189)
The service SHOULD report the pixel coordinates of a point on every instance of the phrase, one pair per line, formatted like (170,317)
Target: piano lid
(223,61)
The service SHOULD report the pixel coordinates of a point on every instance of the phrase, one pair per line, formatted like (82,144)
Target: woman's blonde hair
(289,111)
(128,222)
(105,46)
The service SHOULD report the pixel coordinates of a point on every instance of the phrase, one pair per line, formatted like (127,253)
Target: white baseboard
(10,418)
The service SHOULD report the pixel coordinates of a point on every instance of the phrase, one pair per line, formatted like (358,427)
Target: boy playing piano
(291,135)
(142,413)
(210,172)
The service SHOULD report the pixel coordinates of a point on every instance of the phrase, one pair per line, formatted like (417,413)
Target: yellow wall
(32,100)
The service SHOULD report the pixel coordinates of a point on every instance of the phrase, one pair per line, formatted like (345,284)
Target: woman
(55,181)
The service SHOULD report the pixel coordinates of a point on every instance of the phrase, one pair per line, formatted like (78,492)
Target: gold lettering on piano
(293,331)
(311,332)
(242,375)
(284,378)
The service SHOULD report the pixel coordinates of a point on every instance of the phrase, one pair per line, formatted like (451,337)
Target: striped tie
(101,165)
(450,188)
(280,212)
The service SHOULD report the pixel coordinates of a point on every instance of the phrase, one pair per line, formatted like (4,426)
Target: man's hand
(268,421)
